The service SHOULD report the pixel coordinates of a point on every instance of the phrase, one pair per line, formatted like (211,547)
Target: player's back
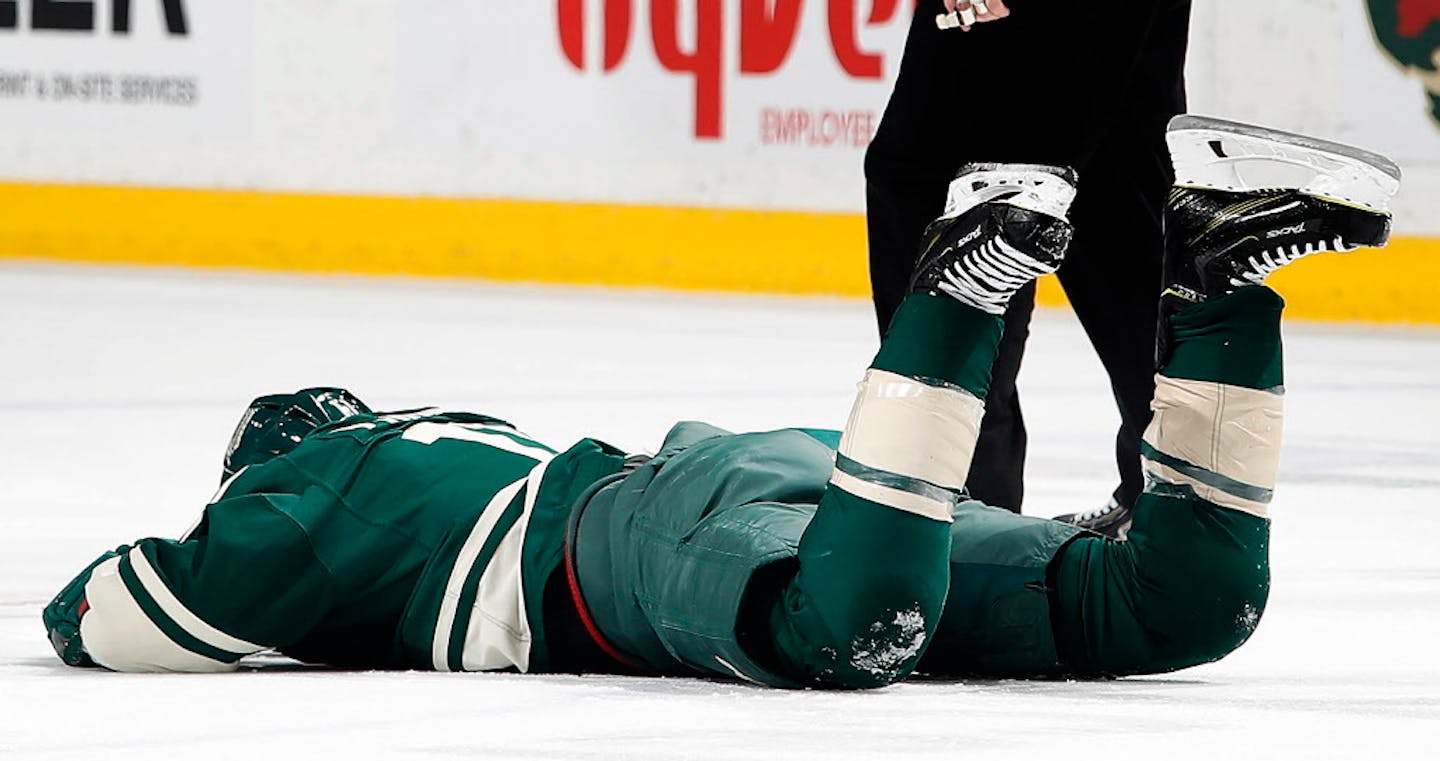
(378,498)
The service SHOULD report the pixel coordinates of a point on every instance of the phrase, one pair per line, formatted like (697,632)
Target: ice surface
(119,388)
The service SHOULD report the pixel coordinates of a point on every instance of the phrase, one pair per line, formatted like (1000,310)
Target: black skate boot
(1224,231)
(1004,225)
(1111,519)
(1248,201)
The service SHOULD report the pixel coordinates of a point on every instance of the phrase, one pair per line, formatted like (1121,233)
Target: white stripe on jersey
(440,647)
(431,432)
(498,635)
(120,637)
(177,611)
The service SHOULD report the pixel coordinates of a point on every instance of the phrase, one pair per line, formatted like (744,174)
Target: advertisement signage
(757,103)
(149,67)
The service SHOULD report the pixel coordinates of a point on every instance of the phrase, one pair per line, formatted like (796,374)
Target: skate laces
(1110,506)
(990,274)
(1265,263)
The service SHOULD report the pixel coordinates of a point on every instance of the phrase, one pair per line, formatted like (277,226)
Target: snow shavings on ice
(889,647)
(1249,619)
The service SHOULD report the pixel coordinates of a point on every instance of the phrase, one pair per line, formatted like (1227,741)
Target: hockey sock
(1191,581)
(1234,339)
(942,341)
(874,562)
(1219,403)
(911,433)
(870,592)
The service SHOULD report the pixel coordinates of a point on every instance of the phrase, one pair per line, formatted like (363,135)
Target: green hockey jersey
(425,540)
(409,540)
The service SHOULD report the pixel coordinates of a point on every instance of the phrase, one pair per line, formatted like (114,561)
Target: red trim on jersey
(585,619)
(81,609)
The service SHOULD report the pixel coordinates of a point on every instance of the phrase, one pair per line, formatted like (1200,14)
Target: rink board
(710,249)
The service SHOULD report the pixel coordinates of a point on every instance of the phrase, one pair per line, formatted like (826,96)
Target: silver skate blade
(1039,188)
(1224,155)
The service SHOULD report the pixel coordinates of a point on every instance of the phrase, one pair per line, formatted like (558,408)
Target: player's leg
(714,558)
(1067,62)
(873,565)
(1191,582)
(921,142)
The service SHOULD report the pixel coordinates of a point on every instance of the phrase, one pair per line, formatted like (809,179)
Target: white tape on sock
(1221,441)
(913,429)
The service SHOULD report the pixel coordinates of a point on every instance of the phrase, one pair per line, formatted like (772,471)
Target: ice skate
(1004,225)
(1248,201)
(1111,519)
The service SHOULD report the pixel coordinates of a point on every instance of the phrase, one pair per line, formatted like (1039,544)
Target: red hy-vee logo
(767,35)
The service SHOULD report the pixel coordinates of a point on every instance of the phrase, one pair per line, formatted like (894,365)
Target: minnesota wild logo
(1409,30)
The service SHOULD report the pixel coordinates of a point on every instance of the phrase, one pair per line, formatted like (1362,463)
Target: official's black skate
(1004,225)
(1111,519)
(1224,231)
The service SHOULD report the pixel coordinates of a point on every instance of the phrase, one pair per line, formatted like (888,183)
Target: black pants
(1055,83)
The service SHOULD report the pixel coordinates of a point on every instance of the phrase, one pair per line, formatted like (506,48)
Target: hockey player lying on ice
(793,558)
